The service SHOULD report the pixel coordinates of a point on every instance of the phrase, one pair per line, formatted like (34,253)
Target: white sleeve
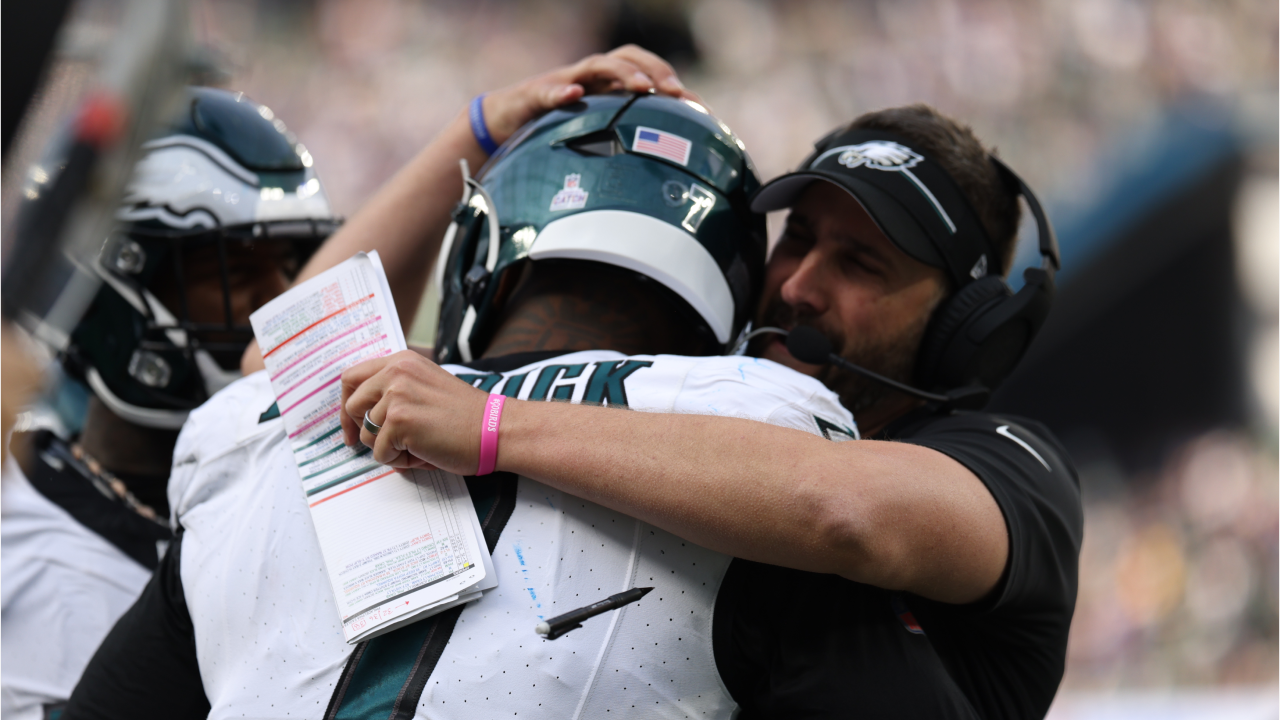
(227,423)
(819,415)
(764,390)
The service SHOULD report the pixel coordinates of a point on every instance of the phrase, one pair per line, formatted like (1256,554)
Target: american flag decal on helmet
(662,144)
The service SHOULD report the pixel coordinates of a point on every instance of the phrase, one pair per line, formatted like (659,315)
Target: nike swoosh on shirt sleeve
(1004,430)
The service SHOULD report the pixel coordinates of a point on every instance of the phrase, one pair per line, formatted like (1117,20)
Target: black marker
(572,620)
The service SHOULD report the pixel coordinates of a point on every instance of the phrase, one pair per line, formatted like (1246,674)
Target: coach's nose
(805,289)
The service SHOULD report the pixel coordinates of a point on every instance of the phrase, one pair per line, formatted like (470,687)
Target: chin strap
(472,188)
(212,375)
(215,378)
(146,417)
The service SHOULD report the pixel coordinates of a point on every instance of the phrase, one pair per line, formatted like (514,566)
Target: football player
(594,236)
(223,209)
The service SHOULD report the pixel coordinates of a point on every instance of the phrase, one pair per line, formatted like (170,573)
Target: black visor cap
(894,220)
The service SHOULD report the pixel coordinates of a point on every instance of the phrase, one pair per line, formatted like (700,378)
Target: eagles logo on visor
(910,197)
(886,155)
(877,155)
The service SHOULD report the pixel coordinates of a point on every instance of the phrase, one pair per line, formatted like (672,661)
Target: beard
(893,356)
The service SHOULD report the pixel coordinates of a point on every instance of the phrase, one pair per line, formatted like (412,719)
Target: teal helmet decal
(224,181)
(648,183)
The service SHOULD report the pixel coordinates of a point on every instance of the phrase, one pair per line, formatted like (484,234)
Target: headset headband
(1046,238)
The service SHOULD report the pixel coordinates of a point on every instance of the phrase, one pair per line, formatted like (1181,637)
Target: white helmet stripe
(198,217)
(215,153)
(646,245)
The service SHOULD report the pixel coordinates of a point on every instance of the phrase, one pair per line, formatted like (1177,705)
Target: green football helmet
(648,183)
(224,180)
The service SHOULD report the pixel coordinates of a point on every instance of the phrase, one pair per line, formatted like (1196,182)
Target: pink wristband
(489,434)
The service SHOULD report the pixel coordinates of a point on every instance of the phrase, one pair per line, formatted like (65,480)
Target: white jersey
(268,635)
(62,588)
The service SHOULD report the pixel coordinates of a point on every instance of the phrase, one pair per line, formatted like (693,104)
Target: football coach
(929,570)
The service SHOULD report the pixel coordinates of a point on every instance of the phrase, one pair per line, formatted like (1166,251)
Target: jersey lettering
(828,427)
(606,385)
(512,388)
(486,381)
(549,375)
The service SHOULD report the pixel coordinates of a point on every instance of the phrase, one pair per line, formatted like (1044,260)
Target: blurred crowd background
(1149,128)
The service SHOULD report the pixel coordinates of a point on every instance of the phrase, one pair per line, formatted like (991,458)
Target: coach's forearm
(741,487)
(894,515)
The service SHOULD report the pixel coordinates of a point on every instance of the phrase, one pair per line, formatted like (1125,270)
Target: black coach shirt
(797,644)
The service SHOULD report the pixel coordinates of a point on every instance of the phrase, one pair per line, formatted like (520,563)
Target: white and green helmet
(224,172)
(647,183)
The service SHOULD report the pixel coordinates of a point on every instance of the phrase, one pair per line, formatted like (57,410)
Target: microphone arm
(808,345)
(900,387)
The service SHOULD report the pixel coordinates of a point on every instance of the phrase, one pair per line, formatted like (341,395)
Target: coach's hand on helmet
(629,68)
(427,417)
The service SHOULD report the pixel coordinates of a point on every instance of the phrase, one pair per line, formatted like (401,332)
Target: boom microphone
(808,345)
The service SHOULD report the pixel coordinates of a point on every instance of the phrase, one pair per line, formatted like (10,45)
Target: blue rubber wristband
(478,127)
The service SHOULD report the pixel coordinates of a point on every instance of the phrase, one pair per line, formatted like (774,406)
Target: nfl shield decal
(660,143)
(572,196)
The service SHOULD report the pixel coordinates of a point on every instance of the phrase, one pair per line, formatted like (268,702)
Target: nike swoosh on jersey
(1004,430)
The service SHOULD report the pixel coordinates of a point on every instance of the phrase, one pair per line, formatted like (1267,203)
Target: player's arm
(893,515)
(147,666)
(405,221)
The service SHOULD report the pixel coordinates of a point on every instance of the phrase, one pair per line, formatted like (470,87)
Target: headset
(978,335)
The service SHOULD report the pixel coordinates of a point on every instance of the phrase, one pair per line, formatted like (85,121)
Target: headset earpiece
(978,335)
(938,365)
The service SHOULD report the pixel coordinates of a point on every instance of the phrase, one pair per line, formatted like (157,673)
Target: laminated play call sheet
(398,546)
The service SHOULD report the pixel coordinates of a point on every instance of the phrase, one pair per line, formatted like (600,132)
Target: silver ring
(370,425)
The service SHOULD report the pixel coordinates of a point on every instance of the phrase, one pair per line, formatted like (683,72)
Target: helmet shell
(225,170)
(225,161)
(645,182)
